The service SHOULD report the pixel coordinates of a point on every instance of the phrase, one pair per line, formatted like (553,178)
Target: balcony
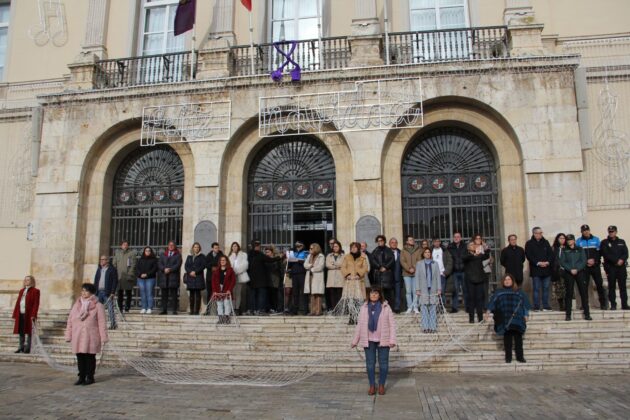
(311,55)
(447,45)
(145,70)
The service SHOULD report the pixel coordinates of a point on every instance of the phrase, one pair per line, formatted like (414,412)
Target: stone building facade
(518,130)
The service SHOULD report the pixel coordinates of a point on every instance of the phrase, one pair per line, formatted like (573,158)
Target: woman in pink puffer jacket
(376,333)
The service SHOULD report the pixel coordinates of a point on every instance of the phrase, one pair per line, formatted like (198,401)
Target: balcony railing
(447,45)
(335,54)
(145,70)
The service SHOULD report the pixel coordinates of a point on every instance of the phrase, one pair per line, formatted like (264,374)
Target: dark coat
(148,266)
(198,265)
(273,265)
(212,261)
(382,257)
(536,252)
(30,312)
(257,271)
(510,309)
(458,253)
(174,262)
(111,280)
(228,283)
(513,258)
(573,259)
(613,251)
(473,267)
(397,267)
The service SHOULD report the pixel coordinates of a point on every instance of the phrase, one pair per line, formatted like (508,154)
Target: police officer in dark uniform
(615,253)
(591,245)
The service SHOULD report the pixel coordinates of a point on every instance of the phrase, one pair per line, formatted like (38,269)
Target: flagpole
(319,35)
(251,44)
(194,40)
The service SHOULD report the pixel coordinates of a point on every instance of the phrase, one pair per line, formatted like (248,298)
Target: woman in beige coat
(334,281)
(314,281)
(353,269)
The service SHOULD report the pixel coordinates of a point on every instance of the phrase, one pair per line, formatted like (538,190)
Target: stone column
(96,28)
(82,72)
(524,34)
(213,59)
(366,41)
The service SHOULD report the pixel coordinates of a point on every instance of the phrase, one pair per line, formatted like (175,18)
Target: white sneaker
(148,311)
(416,311)
(144,311)
(408,311)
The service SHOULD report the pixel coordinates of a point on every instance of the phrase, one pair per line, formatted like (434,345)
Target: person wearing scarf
(87,331)
(376,333)
(354,268)
(428,290)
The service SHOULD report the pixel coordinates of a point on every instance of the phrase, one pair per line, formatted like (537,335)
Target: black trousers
(569,283)
(87,364)
(517,337)
(299,300)
(25,339)
(121,297)
(476,293)
(617,276)
(169,293)
(335,296)
(596,273)
(194,301)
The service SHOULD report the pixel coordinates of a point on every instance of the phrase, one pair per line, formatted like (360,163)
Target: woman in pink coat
(87,330)
(376,333)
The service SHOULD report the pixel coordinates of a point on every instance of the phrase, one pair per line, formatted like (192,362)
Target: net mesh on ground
(217,349)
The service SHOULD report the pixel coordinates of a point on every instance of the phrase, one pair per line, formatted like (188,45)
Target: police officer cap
(584,227)
(612,228)
(570,237)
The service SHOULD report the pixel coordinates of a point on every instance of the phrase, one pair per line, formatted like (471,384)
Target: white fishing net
(219,348)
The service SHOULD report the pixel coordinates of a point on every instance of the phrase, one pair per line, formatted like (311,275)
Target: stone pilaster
(525,35)
(96,28)
(221,34)
(365,21)
(213,63)
(365,42)
(82,72)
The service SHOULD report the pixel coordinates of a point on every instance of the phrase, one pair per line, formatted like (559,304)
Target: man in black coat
(259,281)
(458,251)
(298,275)
(397,271)
(169,266)
(615,253)
(382,264)
(540,256)
(105,280)
(212,264)
(512,259)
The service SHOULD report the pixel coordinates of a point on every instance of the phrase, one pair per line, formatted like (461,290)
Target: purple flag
(185,16)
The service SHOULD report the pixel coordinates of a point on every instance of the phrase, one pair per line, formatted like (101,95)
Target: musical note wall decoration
(51,26)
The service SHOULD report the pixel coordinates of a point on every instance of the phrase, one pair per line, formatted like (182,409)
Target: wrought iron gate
(291,192)
(449,184)
(147,201)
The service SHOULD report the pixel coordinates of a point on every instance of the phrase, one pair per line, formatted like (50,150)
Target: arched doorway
(148,199)
(449,183)
(291,193)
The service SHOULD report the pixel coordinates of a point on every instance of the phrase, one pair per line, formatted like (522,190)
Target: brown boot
(372,390)
(381,390)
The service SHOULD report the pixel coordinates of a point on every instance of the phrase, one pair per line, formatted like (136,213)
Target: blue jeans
(370,362)
(543,282)
(146,287)
(428,316)
(458,282)
(101,296)
(410,289)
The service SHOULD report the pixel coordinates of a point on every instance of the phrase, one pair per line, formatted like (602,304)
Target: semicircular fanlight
(447,150)
(292,160)
(157,167)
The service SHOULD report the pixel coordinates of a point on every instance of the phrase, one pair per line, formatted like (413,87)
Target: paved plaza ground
(29,391)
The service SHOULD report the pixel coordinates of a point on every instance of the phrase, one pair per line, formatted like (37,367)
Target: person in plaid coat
(510,307)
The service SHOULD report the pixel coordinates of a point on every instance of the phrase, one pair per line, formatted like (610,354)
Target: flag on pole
(185,16)
(247,4)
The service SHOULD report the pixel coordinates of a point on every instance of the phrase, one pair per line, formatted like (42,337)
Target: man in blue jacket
(590,244)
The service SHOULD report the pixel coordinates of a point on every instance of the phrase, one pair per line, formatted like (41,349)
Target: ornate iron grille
(291,188)
(449,184)
(148,198)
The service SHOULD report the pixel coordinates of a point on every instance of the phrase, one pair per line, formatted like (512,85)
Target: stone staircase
(323,344)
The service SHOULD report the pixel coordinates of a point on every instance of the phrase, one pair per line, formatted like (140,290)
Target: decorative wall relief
(52,25)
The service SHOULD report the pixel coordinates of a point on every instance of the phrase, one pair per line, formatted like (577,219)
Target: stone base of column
(526,40)
(366,51)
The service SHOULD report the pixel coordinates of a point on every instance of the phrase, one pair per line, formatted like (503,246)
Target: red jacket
(32,306)
(228,283)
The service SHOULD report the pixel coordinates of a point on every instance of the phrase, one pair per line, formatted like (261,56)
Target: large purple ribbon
(296,73)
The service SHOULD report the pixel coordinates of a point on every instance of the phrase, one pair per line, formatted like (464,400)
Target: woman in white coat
(314,282)
(238,260)
(428,289)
